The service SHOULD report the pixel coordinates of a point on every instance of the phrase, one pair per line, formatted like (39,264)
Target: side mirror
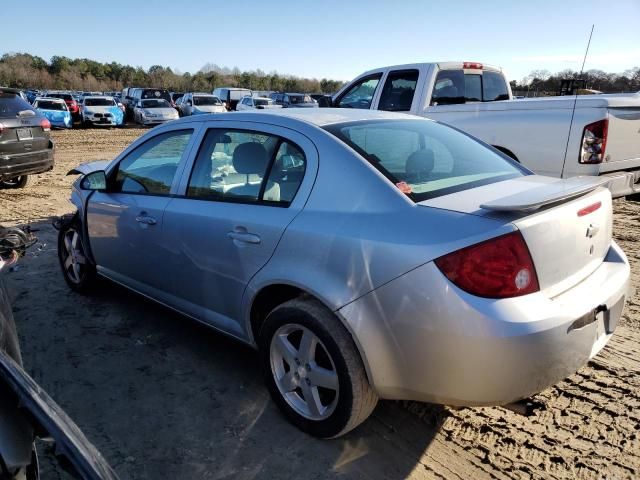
(94,181)
(325,102)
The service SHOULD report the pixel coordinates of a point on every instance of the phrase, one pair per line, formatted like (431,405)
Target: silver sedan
(364,254)
(153,111)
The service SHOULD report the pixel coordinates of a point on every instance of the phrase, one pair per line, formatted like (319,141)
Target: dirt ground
(162,397)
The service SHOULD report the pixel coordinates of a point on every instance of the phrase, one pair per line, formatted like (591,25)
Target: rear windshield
(99,102)
(206,100)
(153,103)
(11,104)
(300,99)
(425,159)
(156,94)
(49,105)
(261,102)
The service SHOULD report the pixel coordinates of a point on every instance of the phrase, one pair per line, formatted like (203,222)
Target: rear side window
(397,93)
(246,166)
(494,87)
(11,104)
(425,159)
(455,87)
(361,94)
(151,167)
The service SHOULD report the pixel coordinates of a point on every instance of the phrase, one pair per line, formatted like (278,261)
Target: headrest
(250,158)
(419,164)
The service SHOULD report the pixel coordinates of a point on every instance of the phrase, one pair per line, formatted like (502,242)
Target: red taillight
(45,124)
(498,268)
(1,128)
(591,208)
(594,142)
(472,66)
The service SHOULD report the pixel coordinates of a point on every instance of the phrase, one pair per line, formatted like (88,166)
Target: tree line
(22,70)
(543,82)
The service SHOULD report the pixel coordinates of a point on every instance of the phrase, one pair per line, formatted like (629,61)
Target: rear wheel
(78,271)
(16,182)
(313,370)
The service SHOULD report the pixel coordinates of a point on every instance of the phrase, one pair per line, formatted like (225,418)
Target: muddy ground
(162,397)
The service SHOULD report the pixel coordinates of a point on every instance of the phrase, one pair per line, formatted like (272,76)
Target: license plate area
(24,134)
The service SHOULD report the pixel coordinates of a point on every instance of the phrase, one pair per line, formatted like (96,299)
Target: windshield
(300,99)
(11,104)
(206,100)
(99,102)
(49,105)
(153,103)
(64,96)
(156,94)
(425,159)
(262,101)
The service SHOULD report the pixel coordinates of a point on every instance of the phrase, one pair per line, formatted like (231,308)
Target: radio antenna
(575,101)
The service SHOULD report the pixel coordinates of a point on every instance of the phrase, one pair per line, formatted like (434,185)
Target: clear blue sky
(333,39)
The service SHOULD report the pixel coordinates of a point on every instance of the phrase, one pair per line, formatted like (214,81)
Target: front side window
(246,166)
(361,94)
(150,168)
(425,159)
(397,93)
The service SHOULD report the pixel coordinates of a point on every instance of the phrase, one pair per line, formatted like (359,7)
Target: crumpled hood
(89,167)
(164,112)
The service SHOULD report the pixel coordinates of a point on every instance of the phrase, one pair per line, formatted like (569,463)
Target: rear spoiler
(551,193)
(48,418)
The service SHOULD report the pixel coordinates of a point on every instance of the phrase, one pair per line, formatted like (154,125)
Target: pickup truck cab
(599,137)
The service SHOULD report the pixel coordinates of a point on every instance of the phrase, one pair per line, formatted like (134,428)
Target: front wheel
(78,271)
(313,370)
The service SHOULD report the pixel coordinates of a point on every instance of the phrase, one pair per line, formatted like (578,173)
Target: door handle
(146,219)
(244,237)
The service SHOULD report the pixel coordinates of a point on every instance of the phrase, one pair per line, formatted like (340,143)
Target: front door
(125,222)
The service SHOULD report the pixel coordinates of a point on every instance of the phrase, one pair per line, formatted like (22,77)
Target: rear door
(247,183)
(125,222)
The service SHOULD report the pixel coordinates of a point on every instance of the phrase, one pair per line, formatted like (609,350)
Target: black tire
(17,182)
(82,279)
(355,399)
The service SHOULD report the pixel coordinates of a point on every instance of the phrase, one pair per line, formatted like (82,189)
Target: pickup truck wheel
(313,370)
(17,182)
(77,269)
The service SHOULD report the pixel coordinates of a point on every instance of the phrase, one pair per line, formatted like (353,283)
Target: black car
(25,145)
(294,100)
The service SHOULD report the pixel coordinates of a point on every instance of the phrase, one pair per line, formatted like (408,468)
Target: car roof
(10,90)
(91,97)
(313,116)
(51,99)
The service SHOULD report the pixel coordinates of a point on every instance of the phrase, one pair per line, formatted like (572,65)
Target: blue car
(55,110)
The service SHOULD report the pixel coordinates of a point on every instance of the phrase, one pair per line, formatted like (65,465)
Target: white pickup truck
(600,137)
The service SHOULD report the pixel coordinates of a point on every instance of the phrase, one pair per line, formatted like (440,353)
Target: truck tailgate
(623,139)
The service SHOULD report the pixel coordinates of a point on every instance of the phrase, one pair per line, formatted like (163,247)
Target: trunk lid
(567,224)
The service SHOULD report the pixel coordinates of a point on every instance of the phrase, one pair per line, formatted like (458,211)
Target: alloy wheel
(304,372)
(74,260)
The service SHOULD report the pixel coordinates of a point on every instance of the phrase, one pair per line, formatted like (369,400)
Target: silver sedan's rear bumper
(424,339)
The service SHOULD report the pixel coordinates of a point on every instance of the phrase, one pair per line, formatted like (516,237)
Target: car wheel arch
(270,296)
